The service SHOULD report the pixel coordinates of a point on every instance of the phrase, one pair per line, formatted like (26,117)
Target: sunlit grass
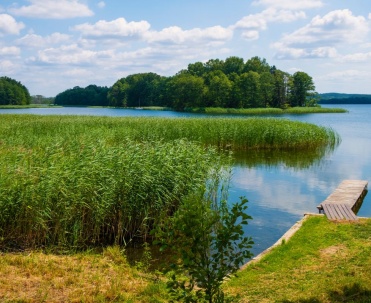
(34,277)
(324,262)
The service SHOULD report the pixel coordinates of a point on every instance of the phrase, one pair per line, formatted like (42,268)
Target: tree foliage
(209,239)
(91,95)
(13,92)
(229,83)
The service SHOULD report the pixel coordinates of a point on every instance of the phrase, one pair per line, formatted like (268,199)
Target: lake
(280,188)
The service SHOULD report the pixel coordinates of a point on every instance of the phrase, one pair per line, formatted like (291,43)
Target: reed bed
(265,111)
(76,181)
(69,182)
(313,110)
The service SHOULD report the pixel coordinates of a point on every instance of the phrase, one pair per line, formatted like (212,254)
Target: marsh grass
(265,111)
(323,262)
(76,181)
(80,182)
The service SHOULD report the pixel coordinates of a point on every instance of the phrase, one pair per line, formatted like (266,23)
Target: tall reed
(81,181)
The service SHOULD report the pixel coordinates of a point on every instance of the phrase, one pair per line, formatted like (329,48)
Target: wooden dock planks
(339,212)
(340,205)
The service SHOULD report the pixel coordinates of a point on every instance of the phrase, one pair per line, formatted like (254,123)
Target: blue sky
(53,45)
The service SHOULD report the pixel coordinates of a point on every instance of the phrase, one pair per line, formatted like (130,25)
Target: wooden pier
(345,201)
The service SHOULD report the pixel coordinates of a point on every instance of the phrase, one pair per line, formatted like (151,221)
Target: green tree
(117,95)
(186,90)
(281,82)
(233,65)
(301,88)
(256,64)
(249,87)
(266,88)
(209,239)
(219,89)
(13,92)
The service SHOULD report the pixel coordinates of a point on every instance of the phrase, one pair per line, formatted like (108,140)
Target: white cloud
(335,27)
(8,25)
(284,52)
(36,41)
(252,24)
(121,30)
(346,75)
(71,54)
(290,4)
(357,57)
(10,51)
(53,9)
(7,66)
(319,38)
(101,4)
(118,28)
(176,35)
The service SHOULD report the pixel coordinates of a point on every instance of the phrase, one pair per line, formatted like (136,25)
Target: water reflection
(299,159)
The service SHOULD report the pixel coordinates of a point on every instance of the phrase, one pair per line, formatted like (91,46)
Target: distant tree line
(91,95)
(13,92)
(39,99)
(333,98)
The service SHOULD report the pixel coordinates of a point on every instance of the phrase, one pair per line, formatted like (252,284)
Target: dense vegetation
(81,181)
(232,83)
(78,182)
(13,92)
(91,95)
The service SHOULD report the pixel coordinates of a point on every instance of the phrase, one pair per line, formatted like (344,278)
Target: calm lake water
(280,188)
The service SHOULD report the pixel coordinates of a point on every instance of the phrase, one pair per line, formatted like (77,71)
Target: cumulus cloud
(319,38)
(290,4)
(356,57)
(176,35)
(71,54)
(52,9)
(8,25)
(251,25)
(37,41)
(10,51)
(101,4)
(118,29)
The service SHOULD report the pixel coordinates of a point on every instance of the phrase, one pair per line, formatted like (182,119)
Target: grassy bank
(324,262)
(265,111)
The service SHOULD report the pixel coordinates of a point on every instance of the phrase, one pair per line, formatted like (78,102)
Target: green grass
(323,262)
(265,111)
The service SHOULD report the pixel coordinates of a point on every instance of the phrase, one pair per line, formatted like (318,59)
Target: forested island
(230,83)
